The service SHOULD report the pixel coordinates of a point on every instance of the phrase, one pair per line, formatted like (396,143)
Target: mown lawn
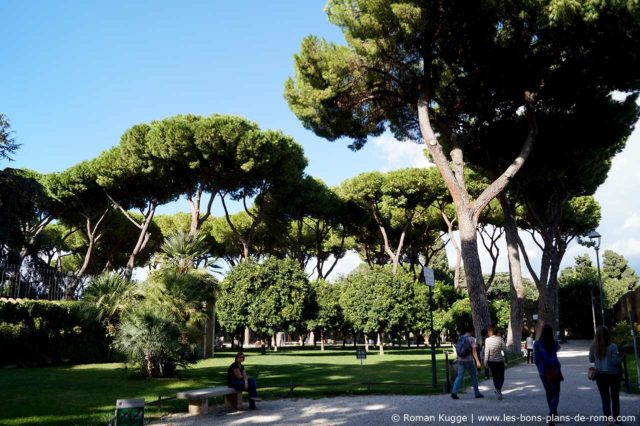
(86,394)
(633,375)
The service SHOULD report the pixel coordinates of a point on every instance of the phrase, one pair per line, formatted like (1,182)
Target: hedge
(34,332)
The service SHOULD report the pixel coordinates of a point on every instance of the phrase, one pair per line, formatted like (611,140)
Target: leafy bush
(267,297)
(621,335)
(152,341)
(36,332)
(107,295)
(160,331)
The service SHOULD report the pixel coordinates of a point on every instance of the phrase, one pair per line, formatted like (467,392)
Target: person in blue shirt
(466,360)
(545,356)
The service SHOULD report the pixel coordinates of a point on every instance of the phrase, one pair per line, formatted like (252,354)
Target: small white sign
(428,276)
(535,317)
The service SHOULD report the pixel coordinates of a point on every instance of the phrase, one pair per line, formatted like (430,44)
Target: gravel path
(524,403)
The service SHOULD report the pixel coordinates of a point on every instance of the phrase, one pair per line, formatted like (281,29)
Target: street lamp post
(595,238)
(595,242)
(429,280)
(593,310)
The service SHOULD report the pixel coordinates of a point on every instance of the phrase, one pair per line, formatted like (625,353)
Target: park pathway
(524,403)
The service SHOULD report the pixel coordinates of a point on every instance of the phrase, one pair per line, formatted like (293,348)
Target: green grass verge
(633,375)
(86,394)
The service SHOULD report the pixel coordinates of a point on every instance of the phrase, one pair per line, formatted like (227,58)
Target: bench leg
(199,407)
(234,401)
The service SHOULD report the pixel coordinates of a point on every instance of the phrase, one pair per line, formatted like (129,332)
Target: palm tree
(150,338)
(110,294)
(182,294)
(184,250)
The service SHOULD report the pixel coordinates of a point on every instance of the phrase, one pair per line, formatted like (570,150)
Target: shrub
(152,341)
(159,333)
(36,332)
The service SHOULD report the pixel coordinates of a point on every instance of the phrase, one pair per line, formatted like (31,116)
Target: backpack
(463,347)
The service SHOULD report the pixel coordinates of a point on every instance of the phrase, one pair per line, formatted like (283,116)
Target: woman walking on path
(494,358)
(607,363)
(545,356)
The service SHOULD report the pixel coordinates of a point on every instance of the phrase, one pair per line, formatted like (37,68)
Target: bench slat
(206,393)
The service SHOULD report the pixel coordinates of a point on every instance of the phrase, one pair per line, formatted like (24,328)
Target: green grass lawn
(633,375)
(86,394)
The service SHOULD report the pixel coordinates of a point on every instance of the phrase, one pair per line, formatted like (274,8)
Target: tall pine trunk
(473,272)
(517,295)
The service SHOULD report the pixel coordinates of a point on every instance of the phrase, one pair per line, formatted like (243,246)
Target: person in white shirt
(494,358)
(529,347)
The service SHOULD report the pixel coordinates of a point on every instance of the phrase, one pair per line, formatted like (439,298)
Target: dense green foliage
(43,333)
(618,277)
(268,297)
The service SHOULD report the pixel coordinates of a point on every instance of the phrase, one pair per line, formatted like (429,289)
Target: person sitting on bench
(237,378)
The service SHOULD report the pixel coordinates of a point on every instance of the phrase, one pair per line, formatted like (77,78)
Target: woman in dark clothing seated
(237,378)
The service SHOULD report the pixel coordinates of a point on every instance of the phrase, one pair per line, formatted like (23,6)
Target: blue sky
(80,73)
(75,75)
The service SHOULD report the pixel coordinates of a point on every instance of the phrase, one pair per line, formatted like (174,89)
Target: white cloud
(620,223)
(395,154)
(629,247)
(632,221)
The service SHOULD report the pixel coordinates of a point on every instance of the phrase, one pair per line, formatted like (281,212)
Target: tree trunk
(247,336)
(467,209)
(366,343)
(473,272)
(322,339)
(517,295)
(381,343)
(143,238)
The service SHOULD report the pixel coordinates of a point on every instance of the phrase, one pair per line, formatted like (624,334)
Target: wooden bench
(198,399)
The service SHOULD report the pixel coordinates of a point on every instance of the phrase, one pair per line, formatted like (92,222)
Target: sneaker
(479,395)
(454,396)
(499,395)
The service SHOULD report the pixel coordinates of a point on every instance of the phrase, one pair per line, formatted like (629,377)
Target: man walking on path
(467,360)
